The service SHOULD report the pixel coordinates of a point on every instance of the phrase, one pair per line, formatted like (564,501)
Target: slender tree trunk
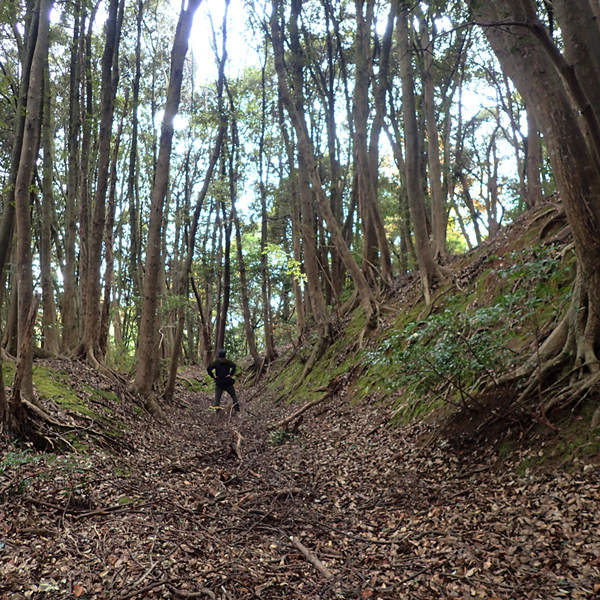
(429,271)
(226,279)
(264,254)
(336,190)
(10,339)
(23,183)
(7,223)
(296,230)
(304,150)
(438,209)
(305,160)
(8,213)
(533,160)
(69,306)
(374,238)
(90,343)
(145,365)
(109,238)
(132,195)
(51,338)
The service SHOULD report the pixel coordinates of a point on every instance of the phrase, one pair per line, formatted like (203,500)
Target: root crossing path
(347,508)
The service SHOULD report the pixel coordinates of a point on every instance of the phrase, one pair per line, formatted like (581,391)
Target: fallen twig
(198,594)
(149,587)
(283,424)
(311,558)
(264,494)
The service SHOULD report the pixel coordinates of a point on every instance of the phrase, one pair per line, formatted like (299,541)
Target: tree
(374,237)
(90,343)
(16,420)
(144,378)
(558,93)
(365,294)
(429,270)
(51,339)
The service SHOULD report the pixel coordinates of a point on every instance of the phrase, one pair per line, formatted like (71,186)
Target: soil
(346,508)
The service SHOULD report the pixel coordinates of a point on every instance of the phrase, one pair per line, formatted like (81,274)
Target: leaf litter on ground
(344,509)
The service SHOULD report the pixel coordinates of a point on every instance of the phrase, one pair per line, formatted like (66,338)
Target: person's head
(222,353)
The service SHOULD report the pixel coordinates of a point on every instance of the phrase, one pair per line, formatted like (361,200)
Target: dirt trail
(347,509)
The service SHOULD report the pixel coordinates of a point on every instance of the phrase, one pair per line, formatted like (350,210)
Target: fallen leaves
(178,515)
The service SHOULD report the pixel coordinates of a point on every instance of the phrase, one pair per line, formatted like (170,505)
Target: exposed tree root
(559,217)
(319,350)
(571,346)
(553,208)
(563,234)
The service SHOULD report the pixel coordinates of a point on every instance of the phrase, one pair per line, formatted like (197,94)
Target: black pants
(231,391)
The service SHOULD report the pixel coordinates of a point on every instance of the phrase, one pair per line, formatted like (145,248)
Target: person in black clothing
(222,371)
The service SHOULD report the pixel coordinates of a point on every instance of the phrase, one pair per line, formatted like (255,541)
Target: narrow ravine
(348,508)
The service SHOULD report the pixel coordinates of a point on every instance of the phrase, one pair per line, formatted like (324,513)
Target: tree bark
(264,254)
(304,149)
(132,187)
(109,239)
(535,70)
(374,238)
(533,160)
(23,182)
(144,378)
(51,338)
(8,213)
(438,208)
(69,305)
(90,343)
(429,270)
(296,230)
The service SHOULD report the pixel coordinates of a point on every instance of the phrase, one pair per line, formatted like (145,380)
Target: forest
(151,215)
(388,214)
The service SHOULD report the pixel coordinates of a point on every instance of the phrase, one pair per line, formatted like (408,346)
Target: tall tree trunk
(296,231)
(90,343)
(533,160)
(8,213)
(536,69)
(336,189)
(304,150)
(69,305)
(374,238)
(109,239)
(226,279)
(132,187)
(264,254)
(184,276)
(305,158)
(429,270)
(23,183)
(438,209)
(145,364)
(7,223)
(51,337)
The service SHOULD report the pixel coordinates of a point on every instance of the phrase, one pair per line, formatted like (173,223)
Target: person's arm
(211,370)
(233,368)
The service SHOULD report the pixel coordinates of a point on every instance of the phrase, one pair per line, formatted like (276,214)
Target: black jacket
(222,371)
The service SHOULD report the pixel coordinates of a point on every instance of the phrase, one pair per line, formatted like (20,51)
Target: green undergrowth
(424,360)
